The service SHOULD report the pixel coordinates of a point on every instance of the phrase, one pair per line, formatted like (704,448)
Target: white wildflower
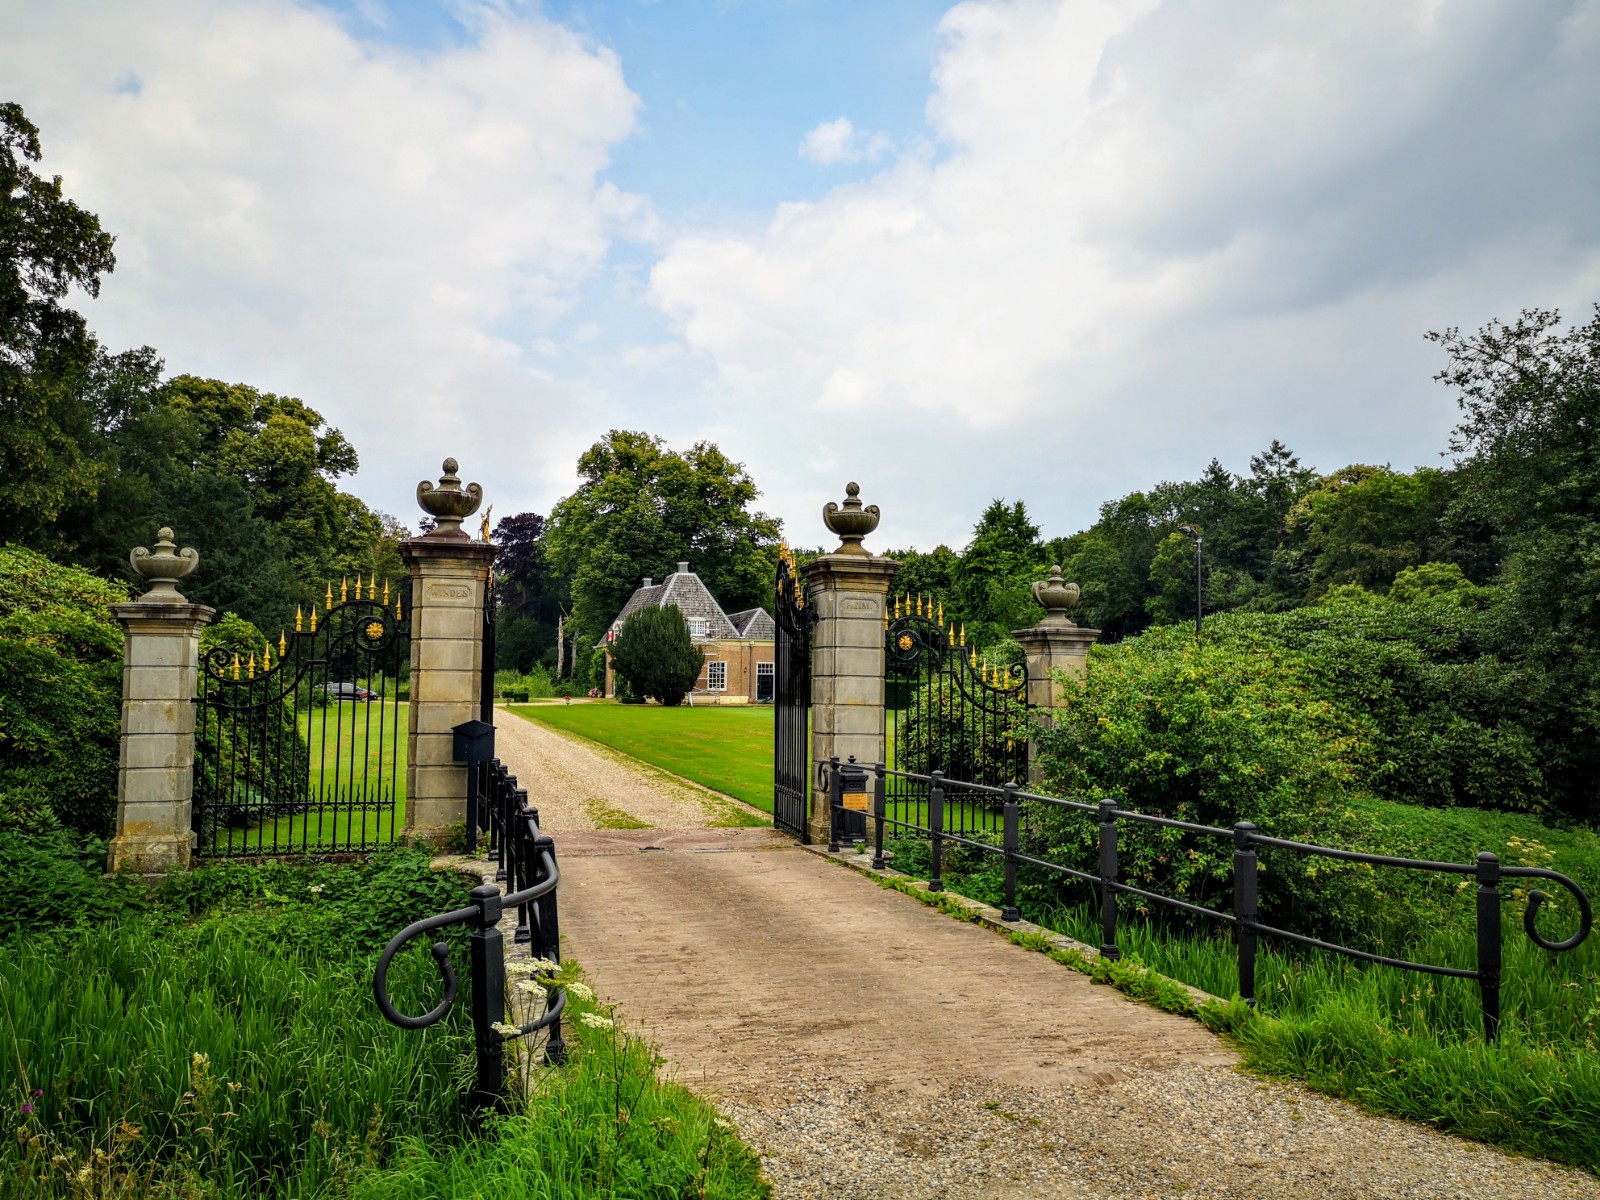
(520,970)
(505,1030)
(315,889)
(529,988)
(543,966)
(595,1020)
(580,991)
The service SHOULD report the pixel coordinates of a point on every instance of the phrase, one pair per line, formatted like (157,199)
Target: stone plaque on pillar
(450,574)
(847,591)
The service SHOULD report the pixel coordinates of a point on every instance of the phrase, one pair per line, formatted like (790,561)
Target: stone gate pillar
(847,591)
(449,576)
(1054,644)
(155,765)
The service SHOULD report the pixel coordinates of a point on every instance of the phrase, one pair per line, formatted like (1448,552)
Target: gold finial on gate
(344,589)
(283,645)
(483,531)
(972,657)
(386,593)
(266,658)
(941,612)
(398,616)
(358,585)
(327,602)
(313,618)
(372,587)
(952,632)
(963,633)
(236,665)
(251,665)
(886,618)
(299,620)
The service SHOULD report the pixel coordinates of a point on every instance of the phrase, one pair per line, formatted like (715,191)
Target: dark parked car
(348,691)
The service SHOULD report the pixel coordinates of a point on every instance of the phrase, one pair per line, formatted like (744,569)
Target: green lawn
(358,775)
(726,749)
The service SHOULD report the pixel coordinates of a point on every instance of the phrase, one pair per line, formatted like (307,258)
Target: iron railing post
(835,803)
(1011,842)
(879,810)
(1489,943)
(1108,879)
(488,997)
(528,866)
(936,830)
(1245,907)
(545,916)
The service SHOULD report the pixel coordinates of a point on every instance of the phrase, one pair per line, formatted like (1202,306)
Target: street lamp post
(1199,595)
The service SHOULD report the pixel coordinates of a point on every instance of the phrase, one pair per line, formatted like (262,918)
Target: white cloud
(374,229)
(1150,232)
(833,143)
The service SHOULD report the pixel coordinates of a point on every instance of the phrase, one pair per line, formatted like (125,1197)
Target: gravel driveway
(869,1046)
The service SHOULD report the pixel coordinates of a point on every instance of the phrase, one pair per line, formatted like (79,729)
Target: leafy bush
(1437,682)
(1210,733)
(60,687)
(655,656)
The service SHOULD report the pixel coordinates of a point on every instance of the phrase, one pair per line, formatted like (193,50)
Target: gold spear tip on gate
(266,657)
(236,665)
(328,599)
(344,589)
(298,620)
(313,618)
(963,633)
(358,585)
(397,614)
(386,593)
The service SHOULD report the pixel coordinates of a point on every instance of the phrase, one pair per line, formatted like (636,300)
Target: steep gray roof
(755,624)
(693,599)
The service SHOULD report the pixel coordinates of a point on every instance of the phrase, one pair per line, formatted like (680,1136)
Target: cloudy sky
(1054,250)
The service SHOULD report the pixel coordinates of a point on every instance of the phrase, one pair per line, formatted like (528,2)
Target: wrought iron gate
(948,709)
(300,744)
(791,757)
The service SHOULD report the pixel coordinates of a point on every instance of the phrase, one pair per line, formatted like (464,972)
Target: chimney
(648,582)
(683,568)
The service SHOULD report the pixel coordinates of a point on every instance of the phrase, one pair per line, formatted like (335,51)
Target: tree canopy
(641,508)
(48,246)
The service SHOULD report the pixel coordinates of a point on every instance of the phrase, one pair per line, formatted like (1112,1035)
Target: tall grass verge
(602,1126)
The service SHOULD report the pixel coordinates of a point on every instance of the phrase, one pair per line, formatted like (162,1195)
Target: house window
(699,627)
(717,676)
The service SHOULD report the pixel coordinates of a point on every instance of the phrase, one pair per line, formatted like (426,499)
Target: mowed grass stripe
(728,750)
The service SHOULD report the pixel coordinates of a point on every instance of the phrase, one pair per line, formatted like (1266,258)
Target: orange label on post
(856,801)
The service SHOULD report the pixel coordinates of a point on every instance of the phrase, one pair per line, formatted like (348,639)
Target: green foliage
(48,245)
(1210,733)
(601,1126)
(655,655)
(1365,525)
(642,507)
(993,577)
(60,687)
(1429,579)
(257,1065)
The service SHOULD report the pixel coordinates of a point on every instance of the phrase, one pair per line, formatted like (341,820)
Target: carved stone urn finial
(449,504)
(1055,595)
(850,521)
(164,568)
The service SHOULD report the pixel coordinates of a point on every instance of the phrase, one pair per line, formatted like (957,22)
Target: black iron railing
(527,863)
(1487,871)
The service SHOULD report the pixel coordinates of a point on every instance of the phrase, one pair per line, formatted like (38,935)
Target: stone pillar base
(151,856)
